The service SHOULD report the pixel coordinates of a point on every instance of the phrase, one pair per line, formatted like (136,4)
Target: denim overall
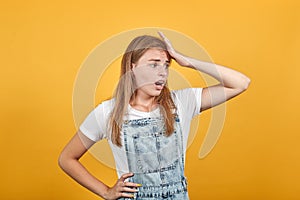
(156,160)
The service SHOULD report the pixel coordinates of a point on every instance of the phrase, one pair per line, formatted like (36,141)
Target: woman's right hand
(178,57)
(122,188)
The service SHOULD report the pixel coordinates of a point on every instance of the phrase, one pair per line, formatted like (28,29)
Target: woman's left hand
(180,59)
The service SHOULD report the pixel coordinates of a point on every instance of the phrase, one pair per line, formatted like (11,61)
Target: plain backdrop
(44,43)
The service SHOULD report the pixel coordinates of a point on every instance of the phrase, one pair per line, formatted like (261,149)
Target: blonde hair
(126,87)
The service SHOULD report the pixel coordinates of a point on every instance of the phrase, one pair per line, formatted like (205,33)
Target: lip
(159,86)
(161,82)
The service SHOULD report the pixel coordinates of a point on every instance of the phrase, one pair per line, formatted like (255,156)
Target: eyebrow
(158,60)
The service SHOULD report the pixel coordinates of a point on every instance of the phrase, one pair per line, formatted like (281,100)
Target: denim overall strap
(156,160)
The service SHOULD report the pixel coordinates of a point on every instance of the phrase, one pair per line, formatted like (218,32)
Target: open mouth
(160,82)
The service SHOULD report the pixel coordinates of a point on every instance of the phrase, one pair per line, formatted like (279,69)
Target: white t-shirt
(95,126)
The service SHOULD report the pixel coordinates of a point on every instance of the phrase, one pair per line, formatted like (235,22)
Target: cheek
(144,76)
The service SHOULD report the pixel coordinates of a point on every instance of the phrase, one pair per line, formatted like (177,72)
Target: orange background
(44,43)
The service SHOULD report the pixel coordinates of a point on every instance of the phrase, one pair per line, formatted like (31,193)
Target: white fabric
(95,126)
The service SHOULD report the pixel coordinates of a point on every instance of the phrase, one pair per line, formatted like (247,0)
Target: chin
(151,92)
(154,93)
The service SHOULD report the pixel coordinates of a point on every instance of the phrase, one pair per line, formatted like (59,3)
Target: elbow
(245,83)
(62,161)
(66,161)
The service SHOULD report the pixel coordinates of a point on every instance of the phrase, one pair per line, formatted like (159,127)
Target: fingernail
(139,185)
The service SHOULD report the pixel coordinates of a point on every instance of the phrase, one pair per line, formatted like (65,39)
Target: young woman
(146,124)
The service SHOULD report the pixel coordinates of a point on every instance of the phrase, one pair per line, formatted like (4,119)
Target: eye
(153,65)
(166,65)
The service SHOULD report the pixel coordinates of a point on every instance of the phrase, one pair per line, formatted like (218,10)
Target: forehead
(154,54)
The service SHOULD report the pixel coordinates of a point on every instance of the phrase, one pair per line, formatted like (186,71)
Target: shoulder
(103,110)
(187,101)
(106,106)
(95,124)
(186,93)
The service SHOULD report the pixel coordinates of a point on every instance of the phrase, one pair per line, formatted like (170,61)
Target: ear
(133,65)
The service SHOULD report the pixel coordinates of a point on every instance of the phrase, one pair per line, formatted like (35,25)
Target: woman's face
(151,72)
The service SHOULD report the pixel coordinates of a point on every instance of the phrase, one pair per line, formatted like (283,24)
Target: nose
(162,71)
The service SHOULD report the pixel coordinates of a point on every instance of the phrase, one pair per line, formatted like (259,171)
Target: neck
(143,102)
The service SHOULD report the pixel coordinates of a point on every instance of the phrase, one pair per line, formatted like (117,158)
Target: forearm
(80,174)
(227,77)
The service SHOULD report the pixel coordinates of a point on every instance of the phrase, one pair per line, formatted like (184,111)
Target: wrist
(183,60)
(104,192)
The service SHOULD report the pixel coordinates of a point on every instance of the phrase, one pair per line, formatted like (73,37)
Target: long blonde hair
(126,87)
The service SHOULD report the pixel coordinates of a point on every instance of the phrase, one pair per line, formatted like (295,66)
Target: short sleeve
(189,101)
(94,125)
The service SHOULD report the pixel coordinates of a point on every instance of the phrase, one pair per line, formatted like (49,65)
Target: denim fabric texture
(156,160)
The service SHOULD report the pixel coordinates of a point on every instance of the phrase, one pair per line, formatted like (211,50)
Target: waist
(165,190)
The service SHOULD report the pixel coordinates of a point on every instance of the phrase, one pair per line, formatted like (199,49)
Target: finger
(167,41)
(161,34)
(127,189)
(125,176)
(122,188)
(123,194)
(130,184)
